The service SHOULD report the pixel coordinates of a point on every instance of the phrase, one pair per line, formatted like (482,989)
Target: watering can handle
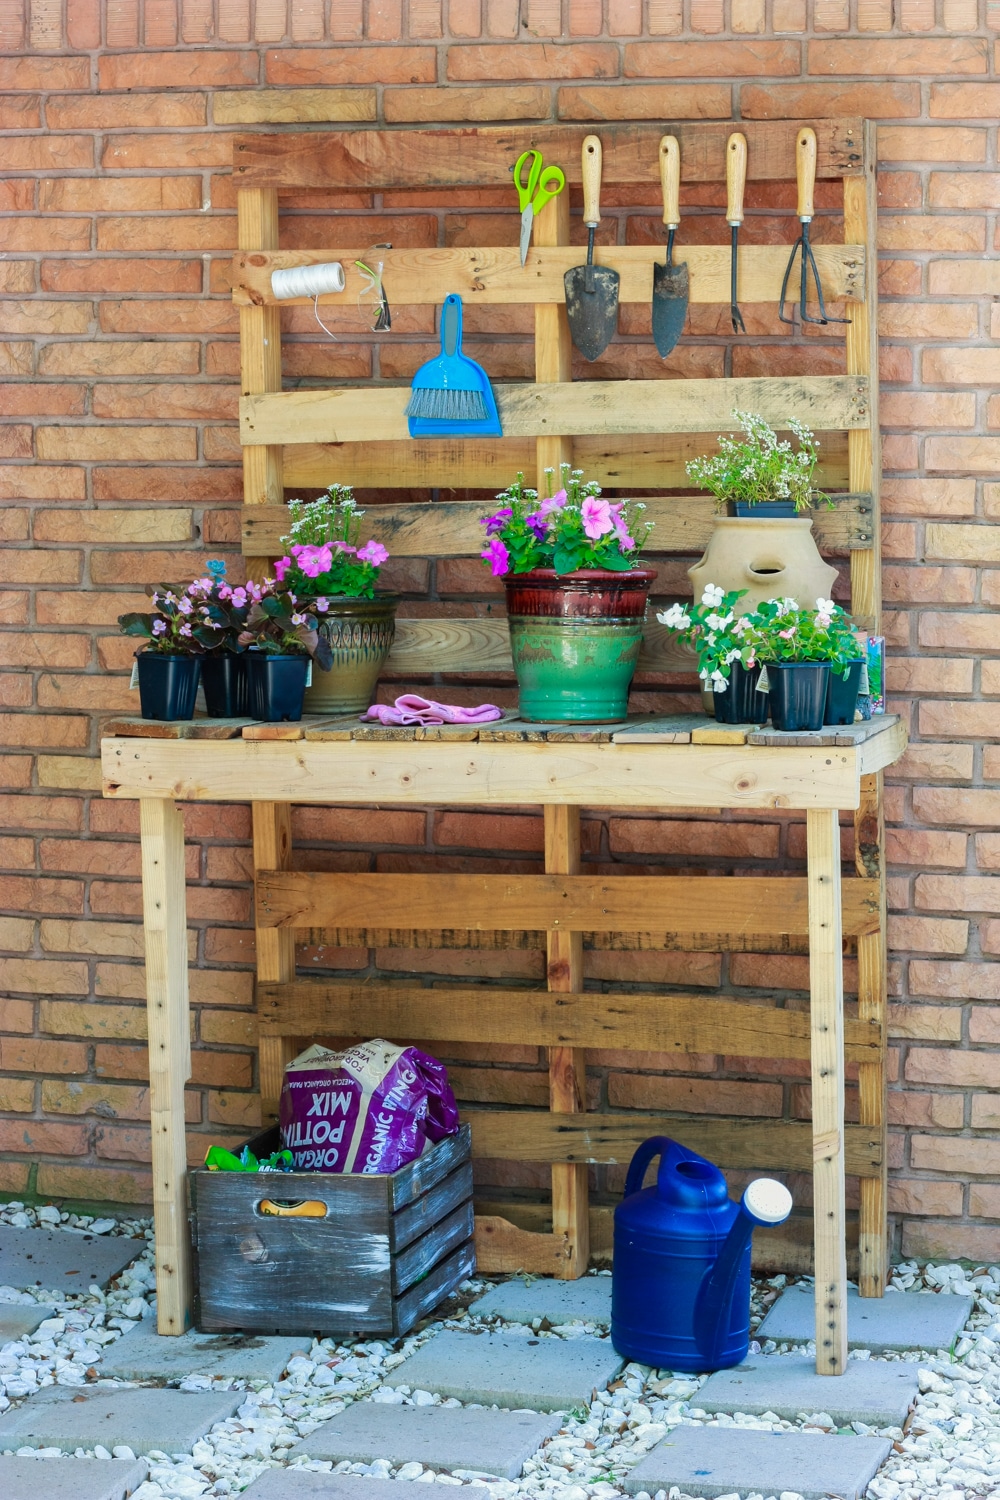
(671,1153)
(451,325)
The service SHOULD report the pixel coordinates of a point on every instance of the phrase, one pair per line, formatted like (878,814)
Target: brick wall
(117,413)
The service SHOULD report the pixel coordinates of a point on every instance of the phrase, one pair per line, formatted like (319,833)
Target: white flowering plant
(785,633)
(714,631)
(324,555)
(759,466)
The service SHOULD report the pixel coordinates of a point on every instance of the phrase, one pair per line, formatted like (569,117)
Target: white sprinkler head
(768,1201)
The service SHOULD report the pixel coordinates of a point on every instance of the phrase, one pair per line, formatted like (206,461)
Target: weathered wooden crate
(387,1251)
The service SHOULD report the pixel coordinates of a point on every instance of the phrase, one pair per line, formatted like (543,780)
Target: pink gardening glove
(411,708)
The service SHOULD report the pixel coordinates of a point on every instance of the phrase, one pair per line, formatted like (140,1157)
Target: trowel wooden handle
(805,171)
(593,161)
(736,176)
(670,179)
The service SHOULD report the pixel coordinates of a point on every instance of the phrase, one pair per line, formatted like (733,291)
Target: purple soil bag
(370,1109)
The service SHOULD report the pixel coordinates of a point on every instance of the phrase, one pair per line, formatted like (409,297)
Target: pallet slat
(495,276)
(777,1145)
(570,903)
(646,1023)
(375,413)
(452,528)
(648,462)
(483,645)
(369,160)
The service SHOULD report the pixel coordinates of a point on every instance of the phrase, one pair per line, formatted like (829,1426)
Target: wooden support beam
(567,1065)
(376,413)
(553,347)
(678,1024)
(494,276)
(575,903)
(826,984)
(272,847)
(260,353)
(442,528)
(482,156)
(164,908)
(647,462)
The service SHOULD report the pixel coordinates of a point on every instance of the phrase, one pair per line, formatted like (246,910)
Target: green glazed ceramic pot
(575,639)
(360,632)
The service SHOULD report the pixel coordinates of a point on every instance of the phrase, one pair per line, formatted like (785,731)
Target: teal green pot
(575,639)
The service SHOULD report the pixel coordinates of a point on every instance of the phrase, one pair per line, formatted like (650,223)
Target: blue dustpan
(451,395)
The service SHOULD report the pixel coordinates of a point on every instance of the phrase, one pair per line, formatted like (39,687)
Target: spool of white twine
(308,281)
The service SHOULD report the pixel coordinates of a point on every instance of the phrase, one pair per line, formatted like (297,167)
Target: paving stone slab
(20,1318)
(143,1354)
(713,1461)
(70,1478)
(587,1301)
(61,1417)
(899,1320)
(507,1369)
(61,1261)
(870,1390)
(440,1437)
(301,1484)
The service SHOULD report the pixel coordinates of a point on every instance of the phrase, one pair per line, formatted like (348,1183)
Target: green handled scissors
(544,184)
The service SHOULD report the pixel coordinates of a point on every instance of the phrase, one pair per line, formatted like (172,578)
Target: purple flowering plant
(324,556)
(204,619)
(573,528)
(280,624)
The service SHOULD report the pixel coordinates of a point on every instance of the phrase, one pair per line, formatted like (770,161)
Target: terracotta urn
(771,559)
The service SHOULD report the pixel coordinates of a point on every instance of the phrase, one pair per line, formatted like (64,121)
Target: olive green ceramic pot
(575,639)
(360,632)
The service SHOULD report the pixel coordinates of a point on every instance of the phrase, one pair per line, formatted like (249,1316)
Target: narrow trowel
(591,291)
(670,282)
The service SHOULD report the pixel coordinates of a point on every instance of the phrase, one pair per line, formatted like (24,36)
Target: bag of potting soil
(372,1108)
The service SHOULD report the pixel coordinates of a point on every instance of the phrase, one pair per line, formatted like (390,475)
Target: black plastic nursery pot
(224,679)
(797,692)
(741,703)
(763,510)
(842,695)
(168,685)
(277,686)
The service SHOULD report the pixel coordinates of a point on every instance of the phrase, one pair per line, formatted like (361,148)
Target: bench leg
(165,923)
(272,850)
(826,984)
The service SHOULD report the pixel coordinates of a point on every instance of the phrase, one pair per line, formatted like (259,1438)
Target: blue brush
(452,395)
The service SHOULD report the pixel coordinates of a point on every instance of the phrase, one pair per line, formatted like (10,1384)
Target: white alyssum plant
(760,466)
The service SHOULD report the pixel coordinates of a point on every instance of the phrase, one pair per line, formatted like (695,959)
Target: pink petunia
(554,502)
(596,518)
(373,552)
(497,556)
(281,567)
(314,560)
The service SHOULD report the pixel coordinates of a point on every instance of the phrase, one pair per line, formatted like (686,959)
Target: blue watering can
(680,1289)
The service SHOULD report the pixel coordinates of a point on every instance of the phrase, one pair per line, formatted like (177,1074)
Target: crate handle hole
(292,1208)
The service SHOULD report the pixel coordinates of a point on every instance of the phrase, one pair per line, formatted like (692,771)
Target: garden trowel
(591,291)
(670,282)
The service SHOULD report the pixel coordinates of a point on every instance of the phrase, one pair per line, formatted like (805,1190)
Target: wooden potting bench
(634,433)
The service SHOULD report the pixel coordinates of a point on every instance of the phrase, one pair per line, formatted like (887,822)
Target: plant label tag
(863,687)
(762,681)
(309,675)
(133,681)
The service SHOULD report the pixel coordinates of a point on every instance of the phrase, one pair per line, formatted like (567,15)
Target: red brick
(120,194)
(94,1185)
(57,814)
(934,763)
(435,105)
(171,401)
(532,60)
(898,56)
(126,111)
(955,1154)
(185,318)
(32,893)
(964,101)
(915,846)
(356,65)
(635,101)
(937,1111)
(48,153)
(34,1136)
(183,150)
(103,276)
(26,1055)
(183,70)
(920,1196)
(794,101)
(69,732)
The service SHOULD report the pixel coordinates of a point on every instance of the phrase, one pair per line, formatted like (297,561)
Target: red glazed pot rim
(602,576)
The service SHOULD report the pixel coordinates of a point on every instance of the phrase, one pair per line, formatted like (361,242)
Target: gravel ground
(950,1449)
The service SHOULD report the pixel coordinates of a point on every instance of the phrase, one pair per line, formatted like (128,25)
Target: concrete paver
(61,1417)
(300,1484)
(899,1320)
(70,1478)
(508,1369)
(714,1461)
(869,1390)
(587,1301)
(440,1437)
(142,1354)
(60,1261)
(20,1318)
